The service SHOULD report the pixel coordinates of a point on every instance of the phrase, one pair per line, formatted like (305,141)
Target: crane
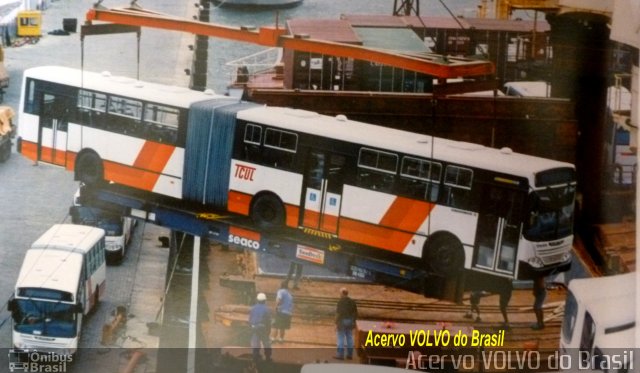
(439,66)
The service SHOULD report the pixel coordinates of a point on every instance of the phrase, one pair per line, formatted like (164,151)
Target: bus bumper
(528,272)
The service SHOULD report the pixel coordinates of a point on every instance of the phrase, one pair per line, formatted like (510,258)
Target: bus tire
(444,255)
(267,211)
(5,151)
(89,169)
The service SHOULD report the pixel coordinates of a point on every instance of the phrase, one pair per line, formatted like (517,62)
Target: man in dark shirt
(260,323)
(346,314)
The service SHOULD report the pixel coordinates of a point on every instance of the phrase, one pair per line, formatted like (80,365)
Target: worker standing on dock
(539,293)
(505,296)
(346,315)
(260,322)
(284,310)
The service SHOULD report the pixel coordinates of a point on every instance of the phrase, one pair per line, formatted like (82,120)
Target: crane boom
(436,65)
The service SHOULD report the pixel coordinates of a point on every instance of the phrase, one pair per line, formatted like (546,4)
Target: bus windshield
(111,225)
(550,213)
(44,318)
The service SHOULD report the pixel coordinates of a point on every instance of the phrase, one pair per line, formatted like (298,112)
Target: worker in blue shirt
(260,323)
(284,311)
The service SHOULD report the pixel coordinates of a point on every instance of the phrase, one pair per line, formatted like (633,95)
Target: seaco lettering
(244,172)
(244,242)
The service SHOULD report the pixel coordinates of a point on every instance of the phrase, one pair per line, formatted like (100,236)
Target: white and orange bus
(63,277)
(443,205)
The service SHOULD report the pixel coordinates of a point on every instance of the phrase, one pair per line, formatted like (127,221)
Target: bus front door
(52,136)
(323,191)
(498,230)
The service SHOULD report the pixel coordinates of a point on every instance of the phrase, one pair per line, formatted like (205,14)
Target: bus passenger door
(323,191)
(498,230)
(52,136)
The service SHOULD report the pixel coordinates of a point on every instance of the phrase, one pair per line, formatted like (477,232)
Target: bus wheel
(267,211)
(444,255)
(89,169)
(5,151)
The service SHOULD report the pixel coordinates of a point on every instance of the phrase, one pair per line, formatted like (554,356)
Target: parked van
(63,278)
(118,228)
(598,330)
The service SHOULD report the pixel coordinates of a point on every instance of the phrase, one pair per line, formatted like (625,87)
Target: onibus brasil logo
(24,360)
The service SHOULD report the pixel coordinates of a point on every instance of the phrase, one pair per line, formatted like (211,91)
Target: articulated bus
(63,277)
(438,204)
(598,329)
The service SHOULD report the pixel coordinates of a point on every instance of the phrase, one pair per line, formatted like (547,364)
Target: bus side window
(31,103)
(420,179)
(588,334)
(125,116)
(280,148)
(91,108)
(373,180)
(161,123)
(377,169)
(252,139)
(457,187)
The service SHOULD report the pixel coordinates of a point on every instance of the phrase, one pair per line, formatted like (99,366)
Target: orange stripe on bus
(127,175)
(29,150)
(329,223)
(71,161)
(292,215)
(238,202)
(240,232)
(407,215)
(373,235)
(154,156)
(311,219)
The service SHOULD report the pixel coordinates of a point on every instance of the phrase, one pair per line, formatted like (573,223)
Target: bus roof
(610,300)
(119,85)
(613,312)
(470,154)
(50,269)
(66,237)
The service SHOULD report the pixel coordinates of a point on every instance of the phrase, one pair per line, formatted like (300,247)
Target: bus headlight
(535,262)
(113,247)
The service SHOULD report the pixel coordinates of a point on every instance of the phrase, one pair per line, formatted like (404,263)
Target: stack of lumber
(616,243)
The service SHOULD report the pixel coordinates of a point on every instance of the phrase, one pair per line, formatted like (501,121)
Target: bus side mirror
(78,308)
(12,307)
